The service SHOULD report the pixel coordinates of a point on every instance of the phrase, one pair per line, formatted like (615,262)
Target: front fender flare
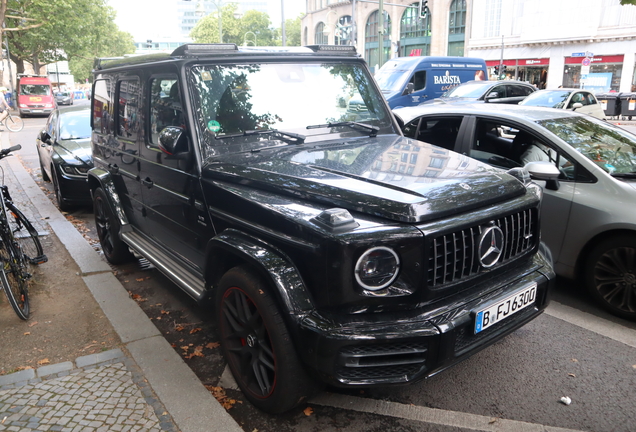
(98,177)
(271,263)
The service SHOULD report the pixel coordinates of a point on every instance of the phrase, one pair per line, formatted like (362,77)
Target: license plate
(36,111)
(502,309)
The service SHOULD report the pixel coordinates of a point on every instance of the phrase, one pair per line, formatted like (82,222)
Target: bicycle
(19,247)
(13,123)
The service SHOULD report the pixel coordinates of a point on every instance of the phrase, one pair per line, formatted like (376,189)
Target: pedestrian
(4,107)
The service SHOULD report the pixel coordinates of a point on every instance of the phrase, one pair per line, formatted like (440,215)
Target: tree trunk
(19,66)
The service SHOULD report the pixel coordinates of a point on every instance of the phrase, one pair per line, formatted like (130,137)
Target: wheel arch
(98,177)
(233,247)
(593,242)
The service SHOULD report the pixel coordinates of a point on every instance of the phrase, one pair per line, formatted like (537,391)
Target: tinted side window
(439,131)
(419,80)
(410,129)
(517,90)
(103,120)
(500,90)
(128,109)
(165,106)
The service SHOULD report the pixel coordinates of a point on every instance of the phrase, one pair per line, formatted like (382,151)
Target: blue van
(409,81)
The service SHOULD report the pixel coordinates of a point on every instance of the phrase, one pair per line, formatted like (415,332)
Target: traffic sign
(586,61)
(578,54)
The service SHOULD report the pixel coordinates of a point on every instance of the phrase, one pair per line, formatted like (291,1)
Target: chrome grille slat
(449,264)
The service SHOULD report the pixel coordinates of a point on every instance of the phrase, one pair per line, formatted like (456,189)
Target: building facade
(549,43)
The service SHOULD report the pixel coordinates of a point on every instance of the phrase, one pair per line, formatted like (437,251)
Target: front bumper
(35,111)
(75,190)
(401,348)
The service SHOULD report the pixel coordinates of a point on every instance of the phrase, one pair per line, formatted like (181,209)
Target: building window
(415,32)
(372,53)
(493,18)
(456,28)
(321,37)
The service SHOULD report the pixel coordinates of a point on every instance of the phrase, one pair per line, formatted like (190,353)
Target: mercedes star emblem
(490,246)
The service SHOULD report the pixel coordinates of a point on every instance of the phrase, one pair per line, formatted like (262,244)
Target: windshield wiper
(373,130)
(630,175)
(288,137)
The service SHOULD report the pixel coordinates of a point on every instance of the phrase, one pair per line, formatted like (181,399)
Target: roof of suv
(190,51)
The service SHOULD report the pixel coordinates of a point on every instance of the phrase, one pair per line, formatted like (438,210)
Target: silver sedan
(588,214)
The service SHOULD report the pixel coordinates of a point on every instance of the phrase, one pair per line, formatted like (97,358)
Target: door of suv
(173,203)
(115,138)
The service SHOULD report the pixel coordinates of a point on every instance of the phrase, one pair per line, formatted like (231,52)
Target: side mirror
(44,137)
(577,106)
(173,141)
(409,89)
(544,171)
(492,95)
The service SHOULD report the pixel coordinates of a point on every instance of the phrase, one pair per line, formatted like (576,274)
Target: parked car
(502,92)
(578,100)
(64,150)
(333,248)
(64,98)
(588,217)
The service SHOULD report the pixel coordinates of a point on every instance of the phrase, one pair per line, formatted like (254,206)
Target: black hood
(391,177)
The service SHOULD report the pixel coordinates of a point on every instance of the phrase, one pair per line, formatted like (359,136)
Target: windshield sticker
(610,168)
(206,75)
(214,126)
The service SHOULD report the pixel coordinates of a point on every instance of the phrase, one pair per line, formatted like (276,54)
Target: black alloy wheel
(257,345)
(107,225)
(610,275)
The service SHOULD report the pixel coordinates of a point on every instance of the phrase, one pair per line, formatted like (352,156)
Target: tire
(115,250)
(257,345)
(610,275)
(26,236)
(14,277)
(14,123)
(59,198)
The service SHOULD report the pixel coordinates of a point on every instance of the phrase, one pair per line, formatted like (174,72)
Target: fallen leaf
(198,352)
(220,396)
(27,333)
(20,368)
(493,420)
(575,360)
(572,375)
(308,411)
(195,330)
(211,345)
(185,348)
(44,361)
(163,312)
(126,281)
(179,327)
(158,318)
(33,323)
(139,279)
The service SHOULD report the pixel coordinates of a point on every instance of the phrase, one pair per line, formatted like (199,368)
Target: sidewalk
(144,386)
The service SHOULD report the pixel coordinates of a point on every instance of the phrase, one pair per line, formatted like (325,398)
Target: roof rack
(198,49)
(333,49)
(97,63)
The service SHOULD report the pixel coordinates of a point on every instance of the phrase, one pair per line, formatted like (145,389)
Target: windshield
(35,90)
(391,80)
(234,99)
(549,99)
(75,125)
(466,91)
(610,147)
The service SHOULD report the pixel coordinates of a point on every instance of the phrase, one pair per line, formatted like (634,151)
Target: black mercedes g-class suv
(333,249)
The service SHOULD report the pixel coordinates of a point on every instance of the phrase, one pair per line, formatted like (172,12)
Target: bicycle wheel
(14,123)
(26,236)
(14,276)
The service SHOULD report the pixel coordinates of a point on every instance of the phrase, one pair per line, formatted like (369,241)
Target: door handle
(147,182)
(113,168)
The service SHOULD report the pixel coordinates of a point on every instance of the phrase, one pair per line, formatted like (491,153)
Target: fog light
(377,268)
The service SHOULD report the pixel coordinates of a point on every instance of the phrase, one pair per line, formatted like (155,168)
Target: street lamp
(245,40)
(200,12)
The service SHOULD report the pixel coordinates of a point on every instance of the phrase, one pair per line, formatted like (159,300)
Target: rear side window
(102,116)
(128,109)
(517,90)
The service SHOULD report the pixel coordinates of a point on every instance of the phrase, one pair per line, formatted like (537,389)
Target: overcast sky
(157,19)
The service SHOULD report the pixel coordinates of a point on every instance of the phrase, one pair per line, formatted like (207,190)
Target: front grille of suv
(390,362)
(453,257)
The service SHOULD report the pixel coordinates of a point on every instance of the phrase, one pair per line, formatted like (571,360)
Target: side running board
(193,285)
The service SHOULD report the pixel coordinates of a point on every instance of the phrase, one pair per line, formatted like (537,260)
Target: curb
(190,404)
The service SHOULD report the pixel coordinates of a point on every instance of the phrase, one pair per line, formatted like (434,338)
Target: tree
(66,29)
(292,31)
(628,2)
(234,29)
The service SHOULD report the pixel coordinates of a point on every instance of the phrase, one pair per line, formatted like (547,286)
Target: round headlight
(377,268)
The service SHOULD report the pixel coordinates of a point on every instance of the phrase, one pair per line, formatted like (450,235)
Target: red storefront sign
(520,62)
(595,59)
(491,63)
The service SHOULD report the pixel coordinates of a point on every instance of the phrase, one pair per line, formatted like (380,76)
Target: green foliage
(292,31)
(77,30)
(628,2)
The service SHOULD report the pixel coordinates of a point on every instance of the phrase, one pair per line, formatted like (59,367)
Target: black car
(507,92)
(64,150)
(64,98)
(332,248)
